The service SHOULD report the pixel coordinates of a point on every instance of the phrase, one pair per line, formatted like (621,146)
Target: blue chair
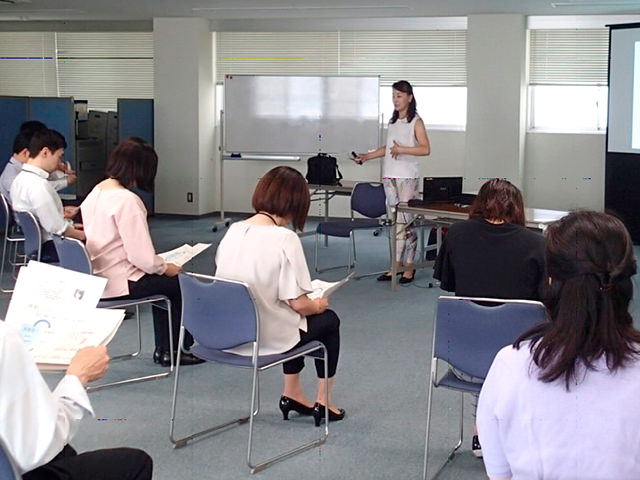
(12,238)
(32,234)
(221,314)
(467,335)
(73,255)
(8,469)
(367,199)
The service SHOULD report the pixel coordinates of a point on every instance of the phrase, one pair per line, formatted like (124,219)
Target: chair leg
(255,468)
(316,255)
(4,251)
(452,453)
(429,403)
(184,441)
(350,248)
(144,378)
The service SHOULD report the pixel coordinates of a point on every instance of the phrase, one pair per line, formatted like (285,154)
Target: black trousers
(48,253)
(108,464)
(149,285)
(325,328)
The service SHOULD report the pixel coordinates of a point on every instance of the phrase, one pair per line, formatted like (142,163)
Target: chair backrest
(219,313)
(7,212)
(368,199)
(468,335)
(8,469)
(72,254)
(32,234)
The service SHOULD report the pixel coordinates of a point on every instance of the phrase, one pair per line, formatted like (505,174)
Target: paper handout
(46,282)
(183,254)
(53,338)
(54,310)
(322,289)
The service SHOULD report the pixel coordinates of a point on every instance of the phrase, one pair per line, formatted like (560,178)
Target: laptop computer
(439,190)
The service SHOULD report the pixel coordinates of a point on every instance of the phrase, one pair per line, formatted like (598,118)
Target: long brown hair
(590,261)
(283,191)
(499,199)
(405,87)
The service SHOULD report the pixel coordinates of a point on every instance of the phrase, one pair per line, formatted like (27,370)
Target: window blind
(27,64)
(277,53)
(102,67)
(569,56)
(424,58)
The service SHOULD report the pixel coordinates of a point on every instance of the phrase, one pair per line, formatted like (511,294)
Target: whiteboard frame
(286,155)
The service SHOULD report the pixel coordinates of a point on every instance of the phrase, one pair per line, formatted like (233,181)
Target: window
(98,67)
(27,64)
(568,79)
(439,107)
(569,108)
(433,61)
(102,67)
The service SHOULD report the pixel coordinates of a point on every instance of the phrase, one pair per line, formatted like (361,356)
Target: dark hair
(499,199)
(133,163)
(590,261)
(21,142)
(32,126)
(283,191)
(46,138)
(405,87)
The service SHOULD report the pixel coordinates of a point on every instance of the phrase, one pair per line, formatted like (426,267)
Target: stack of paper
(183,254)
(55,311)
(322,289)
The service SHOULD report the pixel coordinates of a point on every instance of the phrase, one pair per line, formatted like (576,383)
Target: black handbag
(323,170)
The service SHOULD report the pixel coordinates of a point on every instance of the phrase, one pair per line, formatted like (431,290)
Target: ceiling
(100,10)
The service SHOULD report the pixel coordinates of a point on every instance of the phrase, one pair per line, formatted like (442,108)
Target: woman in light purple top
(564,401)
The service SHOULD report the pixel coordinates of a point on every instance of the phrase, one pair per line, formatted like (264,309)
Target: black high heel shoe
(164,358)
(157,355)
(287,404)
(404,279)
(319,414)
(386,277)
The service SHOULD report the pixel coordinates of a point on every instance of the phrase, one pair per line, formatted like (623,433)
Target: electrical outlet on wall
(189,197)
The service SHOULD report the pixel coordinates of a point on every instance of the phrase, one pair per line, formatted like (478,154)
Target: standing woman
(406,141)
(120,246)
(265,254)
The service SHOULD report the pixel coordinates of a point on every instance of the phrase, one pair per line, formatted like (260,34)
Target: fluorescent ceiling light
(300,7)
(615,3)
(50,10)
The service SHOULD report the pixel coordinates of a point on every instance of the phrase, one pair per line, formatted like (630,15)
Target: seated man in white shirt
(61,178)
(37,424)
(31,192)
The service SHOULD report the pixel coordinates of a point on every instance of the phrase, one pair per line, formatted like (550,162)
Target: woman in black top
(492,255)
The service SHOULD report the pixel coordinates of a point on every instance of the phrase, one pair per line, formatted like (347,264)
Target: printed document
(54,310)
(322,289)
(183,254)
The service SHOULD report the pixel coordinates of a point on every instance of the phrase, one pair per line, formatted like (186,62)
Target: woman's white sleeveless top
(403,166)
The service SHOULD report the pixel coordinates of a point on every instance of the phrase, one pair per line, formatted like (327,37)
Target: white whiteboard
(300,114)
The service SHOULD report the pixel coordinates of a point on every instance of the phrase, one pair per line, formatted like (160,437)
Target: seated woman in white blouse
(562,402)
(36,424)
(263,253)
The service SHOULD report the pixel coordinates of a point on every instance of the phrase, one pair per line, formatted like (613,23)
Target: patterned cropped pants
(402,190)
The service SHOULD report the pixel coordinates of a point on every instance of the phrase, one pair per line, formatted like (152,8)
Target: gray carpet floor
(381,382)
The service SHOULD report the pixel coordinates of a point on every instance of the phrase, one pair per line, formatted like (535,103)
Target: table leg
(326,215)
(394,247)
